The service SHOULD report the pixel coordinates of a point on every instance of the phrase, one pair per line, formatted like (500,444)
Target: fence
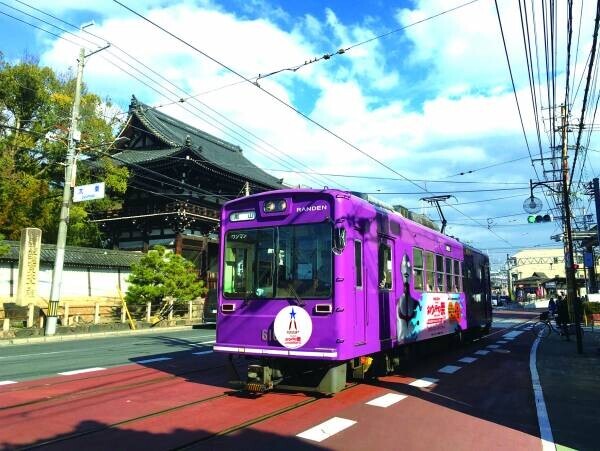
(86,314)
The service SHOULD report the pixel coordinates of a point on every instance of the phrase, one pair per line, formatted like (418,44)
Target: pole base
(50,325)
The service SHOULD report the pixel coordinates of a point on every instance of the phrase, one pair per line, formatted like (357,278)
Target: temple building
(180,178)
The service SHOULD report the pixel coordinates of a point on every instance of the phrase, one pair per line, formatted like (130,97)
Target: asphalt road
(30,361)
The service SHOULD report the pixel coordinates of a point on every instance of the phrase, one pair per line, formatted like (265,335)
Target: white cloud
(444,106)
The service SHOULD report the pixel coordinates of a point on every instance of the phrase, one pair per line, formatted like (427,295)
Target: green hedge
(591,307)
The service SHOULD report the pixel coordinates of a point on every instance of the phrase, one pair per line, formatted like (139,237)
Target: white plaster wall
(104,282)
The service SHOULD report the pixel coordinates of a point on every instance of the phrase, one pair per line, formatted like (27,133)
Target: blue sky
(428,102)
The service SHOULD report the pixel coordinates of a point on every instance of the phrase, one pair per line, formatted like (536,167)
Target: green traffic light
(533,219)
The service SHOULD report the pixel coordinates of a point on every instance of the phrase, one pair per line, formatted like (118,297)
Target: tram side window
(358,266)
(457,279)
(418,269)
(385,267)
(429,272)
(439,272)
(449,277)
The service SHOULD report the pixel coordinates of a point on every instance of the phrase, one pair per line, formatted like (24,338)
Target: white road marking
(38,353)
(157,359)
(424,382)
(492,346)
(449,369)
(326,429)
(540,405)
(482,352)
(7,382)
(202,352)
(207,342)
(502,342)
(84,370)
(512,334)
(502,351)
(467,359)
(386,400)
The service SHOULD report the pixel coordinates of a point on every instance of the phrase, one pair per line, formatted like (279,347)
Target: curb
(89,335)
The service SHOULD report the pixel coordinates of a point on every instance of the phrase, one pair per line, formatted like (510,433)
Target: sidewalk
(571,386)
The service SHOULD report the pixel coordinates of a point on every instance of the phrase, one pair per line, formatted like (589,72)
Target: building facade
(180,178)
(540,273)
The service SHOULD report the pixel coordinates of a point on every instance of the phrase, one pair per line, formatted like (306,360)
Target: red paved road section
(486,404)
(109,379)
(185,426)
(78,412)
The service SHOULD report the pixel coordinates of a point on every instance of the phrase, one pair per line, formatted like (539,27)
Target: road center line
(85,370)
(386,400)
(202,352)
(7,382)
(156,359)
(424,382)
(449,369)
(467,359)
(326,429)
(39,353)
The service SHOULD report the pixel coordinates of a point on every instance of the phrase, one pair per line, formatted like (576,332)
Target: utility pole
(74,137)
(70,162)
(596,191)
(509,281)
(572,299)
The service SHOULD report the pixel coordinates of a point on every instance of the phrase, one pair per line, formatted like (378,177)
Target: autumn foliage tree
(35,111)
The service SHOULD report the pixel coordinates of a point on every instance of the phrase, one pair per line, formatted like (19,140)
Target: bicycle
(543,327)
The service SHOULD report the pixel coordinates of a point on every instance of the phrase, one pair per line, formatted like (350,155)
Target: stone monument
(29,266)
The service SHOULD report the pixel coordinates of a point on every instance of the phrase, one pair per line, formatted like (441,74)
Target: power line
(160,92)
(287,105)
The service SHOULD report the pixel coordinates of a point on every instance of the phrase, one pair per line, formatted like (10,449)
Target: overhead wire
(284,103)
(228,132)
(586,90)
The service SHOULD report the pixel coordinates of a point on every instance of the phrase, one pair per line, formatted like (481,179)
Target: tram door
(385,274)
(360,305)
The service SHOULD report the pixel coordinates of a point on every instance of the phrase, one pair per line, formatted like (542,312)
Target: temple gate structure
(180,178)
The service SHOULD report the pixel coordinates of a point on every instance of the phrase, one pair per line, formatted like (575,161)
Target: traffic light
(531,219)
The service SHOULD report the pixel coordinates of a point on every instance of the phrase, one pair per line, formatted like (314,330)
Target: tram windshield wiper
(297,298)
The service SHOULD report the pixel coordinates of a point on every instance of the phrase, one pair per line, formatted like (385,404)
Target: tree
(4,248)
(35,110)
(161,274)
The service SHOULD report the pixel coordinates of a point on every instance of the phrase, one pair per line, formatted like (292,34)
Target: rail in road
(477,396)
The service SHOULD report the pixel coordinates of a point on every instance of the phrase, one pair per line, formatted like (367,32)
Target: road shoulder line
(542,414)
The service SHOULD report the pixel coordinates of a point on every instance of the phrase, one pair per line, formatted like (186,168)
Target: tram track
(257,420)
(65,439)
(104,390)
(76,435)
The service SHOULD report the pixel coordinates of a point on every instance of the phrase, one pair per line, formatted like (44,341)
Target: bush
(591,307)
(161,274)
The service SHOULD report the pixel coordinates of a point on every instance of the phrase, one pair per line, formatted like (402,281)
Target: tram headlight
(274,206)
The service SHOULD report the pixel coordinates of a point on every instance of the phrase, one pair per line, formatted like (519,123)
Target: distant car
(503,300)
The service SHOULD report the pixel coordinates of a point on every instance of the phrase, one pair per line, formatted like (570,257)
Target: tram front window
(284,262)
(304,261)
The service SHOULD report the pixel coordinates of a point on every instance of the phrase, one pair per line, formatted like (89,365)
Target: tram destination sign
(88,192)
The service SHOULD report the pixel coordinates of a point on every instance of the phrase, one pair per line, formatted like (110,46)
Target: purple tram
(316,286)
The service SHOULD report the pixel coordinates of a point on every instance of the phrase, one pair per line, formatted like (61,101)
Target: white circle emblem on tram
(292,327)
